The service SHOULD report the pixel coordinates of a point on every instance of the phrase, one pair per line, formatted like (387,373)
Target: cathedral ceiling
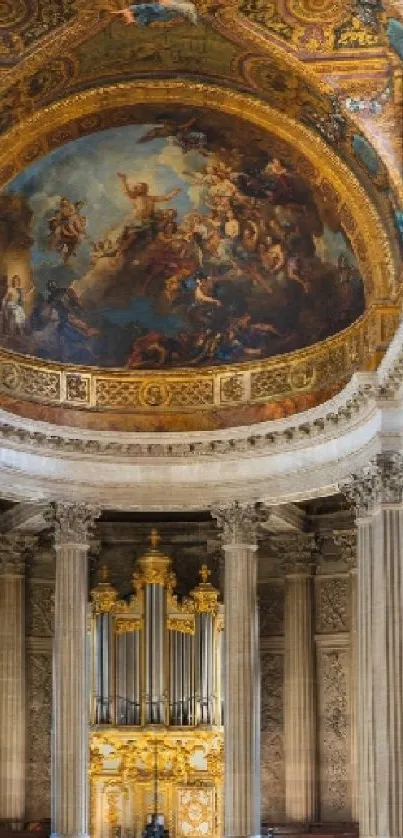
(320,85)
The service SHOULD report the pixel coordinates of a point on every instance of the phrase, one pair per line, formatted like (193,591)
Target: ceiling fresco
(154,240)
(182,240)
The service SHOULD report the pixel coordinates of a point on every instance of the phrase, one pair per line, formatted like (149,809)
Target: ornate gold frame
(329,363)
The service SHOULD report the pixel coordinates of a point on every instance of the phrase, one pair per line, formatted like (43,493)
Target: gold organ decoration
(156,739)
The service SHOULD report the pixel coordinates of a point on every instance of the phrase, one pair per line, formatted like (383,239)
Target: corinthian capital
(379,482)
(239,523)
(73,523)
(296,552)
(15,549)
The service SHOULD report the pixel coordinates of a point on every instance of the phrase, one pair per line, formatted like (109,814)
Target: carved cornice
(346,540)
(376,484)
(296,553)
(239,523)
(15,551)
(73,523)
(328,419)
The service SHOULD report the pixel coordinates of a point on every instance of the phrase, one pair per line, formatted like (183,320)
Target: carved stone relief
(39,718)
(272,737)
(271,608)
(333,734)
(40,610)
(332,604)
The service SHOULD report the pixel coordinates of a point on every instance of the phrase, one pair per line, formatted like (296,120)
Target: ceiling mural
(156,241)
(182,240)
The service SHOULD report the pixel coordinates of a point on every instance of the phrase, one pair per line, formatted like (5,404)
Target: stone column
(377,492)
(12,680)
(347,541)
(242,673)
(299,683)
(70,683)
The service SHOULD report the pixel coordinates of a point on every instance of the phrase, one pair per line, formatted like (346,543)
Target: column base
(69,835)
(245,835)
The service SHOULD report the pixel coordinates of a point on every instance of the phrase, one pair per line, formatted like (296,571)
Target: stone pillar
(12,680)
(299,684)
(70,682)
(347,541)
(242,673)
(377,492)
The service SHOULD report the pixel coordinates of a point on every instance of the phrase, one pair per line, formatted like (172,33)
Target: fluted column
(70,688)
(12,680)
(347,541)
(377,493)
(242,673)
(299,684)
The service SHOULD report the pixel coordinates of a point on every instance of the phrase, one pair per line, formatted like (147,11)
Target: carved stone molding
(73,523)
(346,541)
(296,553)
(239,523)
(332,667)
(378,483)
(15,551)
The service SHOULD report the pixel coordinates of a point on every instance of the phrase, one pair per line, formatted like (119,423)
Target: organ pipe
(156,660)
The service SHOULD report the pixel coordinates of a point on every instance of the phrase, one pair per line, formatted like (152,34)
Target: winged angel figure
(154,11)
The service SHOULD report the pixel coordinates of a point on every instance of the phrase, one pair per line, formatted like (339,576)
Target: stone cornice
(326,420)
(288,460)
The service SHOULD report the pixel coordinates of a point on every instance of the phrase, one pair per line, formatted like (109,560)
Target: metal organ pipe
(154,653)
(156,660)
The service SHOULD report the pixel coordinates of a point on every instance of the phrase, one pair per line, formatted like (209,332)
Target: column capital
(73,523)
(14,551)
(296,553)
(239,523)
(346,540)
(380,482)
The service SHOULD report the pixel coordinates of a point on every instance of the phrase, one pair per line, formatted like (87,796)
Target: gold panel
(189,765)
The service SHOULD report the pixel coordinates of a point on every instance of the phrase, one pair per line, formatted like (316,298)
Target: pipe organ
(156,704)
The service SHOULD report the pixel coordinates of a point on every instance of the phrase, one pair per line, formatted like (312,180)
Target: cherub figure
(67,228)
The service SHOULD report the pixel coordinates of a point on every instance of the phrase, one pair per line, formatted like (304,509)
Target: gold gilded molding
(178,624)
(209,389)
(124,625)
(332,361)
